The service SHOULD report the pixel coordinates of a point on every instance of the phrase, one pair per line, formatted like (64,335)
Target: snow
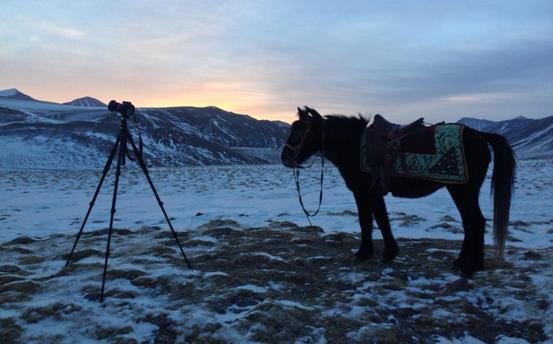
(254,288)
(41,151)
(503,339)
(32,105)
(8,92)
(40,202)
(87,102)
(268,256)
(79,136)
(466,339)
(535,135)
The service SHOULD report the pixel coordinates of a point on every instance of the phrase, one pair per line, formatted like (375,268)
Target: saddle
(383,145)
(391,129)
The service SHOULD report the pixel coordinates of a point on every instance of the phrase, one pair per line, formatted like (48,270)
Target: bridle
(296,171)
(296,148)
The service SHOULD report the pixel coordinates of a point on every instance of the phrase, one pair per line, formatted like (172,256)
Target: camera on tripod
(125,109)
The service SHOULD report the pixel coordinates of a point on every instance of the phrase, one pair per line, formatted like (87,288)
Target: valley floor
(258,274)
(38,203)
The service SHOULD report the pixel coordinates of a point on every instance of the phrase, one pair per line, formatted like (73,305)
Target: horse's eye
(298,134)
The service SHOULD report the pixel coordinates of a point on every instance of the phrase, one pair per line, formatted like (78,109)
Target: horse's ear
(302,115)
(314,114)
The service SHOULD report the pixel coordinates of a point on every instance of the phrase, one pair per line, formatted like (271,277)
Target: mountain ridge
(14,93)
(41,135)
(530,138)
(86,101)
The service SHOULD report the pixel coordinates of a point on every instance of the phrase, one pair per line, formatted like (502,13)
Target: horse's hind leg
(471,258)
(381,217)
(457,263)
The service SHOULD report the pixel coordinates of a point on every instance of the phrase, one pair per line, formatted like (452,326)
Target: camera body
(125,109)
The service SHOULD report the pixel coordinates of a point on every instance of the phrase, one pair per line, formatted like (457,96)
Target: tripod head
(126,109)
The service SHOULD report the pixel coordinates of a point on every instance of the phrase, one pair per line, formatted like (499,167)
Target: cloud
(266,58)
(58,30)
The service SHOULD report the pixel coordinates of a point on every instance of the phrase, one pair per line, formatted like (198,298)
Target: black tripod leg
(106,169)
(114,200)
(138,157)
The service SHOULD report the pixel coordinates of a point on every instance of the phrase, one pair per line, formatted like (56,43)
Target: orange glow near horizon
(235,107)
(225,104)
(224,96)
(232,93)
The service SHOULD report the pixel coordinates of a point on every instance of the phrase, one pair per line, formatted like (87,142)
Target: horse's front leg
(381,217)
(365,221)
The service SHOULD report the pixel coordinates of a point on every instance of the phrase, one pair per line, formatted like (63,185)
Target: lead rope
(296,173)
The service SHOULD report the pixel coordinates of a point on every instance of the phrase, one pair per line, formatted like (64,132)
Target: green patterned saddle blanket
(434,154)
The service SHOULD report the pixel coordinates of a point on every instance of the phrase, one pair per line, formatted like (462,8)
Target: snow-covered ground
(256,275)
(39,203)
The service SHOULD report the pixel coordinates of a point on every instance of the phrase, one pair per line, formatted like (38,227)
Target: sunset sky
(403,59)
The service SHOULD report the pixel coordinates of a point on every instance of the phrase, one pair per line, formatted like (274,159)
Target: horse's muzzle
(287,156)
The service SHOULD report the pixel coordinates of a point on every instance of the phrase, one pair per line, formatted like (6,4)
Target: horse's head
(305,138)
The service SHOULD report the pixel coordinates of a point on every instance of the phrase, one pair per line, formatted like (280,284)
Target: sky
(403,59)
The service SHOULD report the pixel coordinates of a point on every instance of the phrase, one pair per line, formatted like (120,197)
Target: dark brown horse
(340,136)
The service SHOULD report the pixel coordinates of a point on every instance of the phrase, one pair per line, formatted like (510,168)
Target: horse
(338,138)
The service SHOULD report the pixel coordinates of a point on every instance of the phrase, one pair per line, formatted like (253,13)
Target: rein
(296,172)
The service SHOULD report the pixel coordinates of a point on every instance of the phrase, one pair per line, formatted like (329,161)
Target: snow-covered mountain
(531,138)
(39,134)
(36,134)
(14,94)
(86,101)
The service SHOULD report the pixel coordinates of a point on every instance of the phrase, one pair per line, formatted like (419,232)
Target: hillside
(36,134)
(531,138)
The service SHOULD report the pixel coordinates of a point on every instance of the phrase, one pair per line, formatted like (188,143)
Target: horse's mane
(346,123)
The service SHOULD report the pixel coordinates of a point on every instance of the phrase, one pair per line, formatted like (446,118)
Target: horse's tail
(503,177)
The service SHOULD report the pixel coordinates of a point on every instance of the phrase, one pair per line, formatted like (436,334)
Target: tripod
(124,137)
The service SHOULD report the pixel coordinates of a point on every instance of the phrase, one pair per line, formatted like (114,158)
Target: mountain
(13,93)
(531,138)
(475,123)
(86,101)
(42,135)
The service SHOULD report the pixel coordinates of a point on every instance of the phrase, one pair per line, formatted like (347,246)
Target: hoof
(389,255)
(363,255)
(386,259)
(466,275)
(457,264)
(469,270)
